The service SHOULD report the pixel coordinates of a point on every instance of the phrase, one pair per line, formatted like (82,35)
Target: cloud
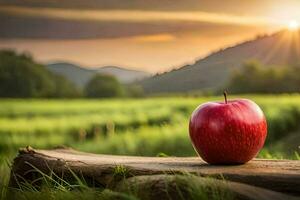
(23,25)
(136,15)
(154,38)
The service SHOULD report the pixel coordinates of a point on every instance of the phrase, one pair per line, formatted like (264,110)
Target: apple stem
(225,96)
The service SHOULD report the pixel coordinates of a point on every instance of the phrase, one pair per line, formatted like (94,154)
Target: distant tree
(134,91)
(103,86)
(255,78)
(22,77)
(243,79)
(64,88)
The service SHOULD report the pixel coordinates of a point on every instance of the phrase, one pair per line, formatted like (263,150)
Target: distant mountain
(80,75)
(212,72)
(123,75)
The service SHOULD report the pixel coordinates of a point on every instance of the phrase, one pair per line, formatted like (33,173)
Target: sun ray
(293,25)
(273,48)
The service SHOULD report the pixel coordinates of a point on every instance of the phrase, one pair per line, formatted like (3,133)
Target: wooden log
(101,170)
(175,186)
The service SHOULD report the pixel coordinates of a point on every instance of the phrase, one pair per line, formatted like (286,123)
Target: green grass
(47,123)
(145,127)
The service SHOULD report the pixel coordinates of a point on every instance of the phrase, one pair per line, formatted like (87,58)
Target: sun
(293,25)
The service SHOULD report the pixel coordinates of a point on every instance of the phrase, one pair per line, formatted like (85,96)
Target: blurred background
(122,77)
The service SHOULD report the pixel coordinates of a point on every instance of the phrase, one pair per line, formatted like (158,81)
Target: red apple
(230,132)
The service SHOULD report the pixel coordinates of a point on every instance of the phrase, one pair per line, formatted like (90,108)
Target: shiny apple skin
(228,133)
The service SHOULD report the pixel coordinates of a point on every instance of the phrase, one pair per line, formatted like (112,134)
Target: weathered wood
(98,170)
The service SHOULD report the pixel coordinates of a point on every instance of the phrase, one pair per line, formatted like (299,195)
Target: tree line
(253,77)
(22,77)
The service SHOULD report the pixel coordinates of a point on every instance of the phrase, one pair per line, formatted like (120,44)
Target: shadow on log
(107,171)
(193,187)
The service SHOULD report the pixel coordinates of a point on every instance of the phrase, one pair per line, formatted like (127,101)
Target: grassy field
(146,127)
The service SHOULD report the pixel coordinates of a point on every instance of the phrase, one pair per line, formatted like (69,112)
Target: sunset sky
(150,35)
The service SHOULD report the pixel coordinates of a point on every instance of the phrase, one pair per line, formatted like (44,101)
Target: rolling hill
(122,74)
(80,75)
(213,71)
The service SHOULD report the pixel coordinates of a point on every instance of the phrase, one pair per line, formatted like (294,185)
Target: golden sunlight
(293,25)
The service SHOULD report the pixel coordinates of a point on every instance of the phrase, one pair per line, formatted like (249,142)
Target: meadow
(146,127)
